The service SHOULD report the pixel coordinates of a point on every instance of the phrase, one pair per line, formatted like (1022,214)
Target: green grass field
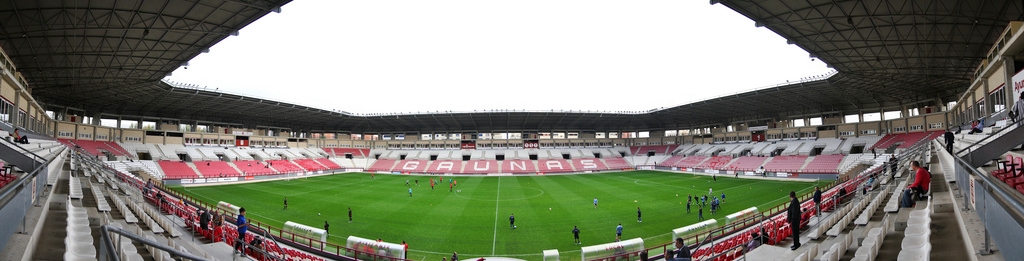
(474,222)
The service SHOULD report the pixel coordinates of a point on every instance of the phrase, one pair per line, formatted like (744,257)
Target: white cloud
(465,55)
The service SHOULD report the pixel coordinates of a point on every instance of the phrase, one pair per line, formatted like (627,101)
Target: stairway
(193,166)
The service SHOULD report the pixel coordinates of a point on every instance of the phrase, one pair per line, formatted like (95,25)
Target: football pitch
(473,219)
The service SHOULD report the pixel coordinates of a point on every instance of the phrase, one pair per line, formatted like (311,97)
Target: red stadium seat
(328,163)
(253,168)
(479,166)
(382,165)
(1013,182)
(617,163)
(588,164)
(690,162)
(518,166)
(456,166)
(216,169)
(1003,167)
(554,166)
(310,165)
(177,170)
(1013,170)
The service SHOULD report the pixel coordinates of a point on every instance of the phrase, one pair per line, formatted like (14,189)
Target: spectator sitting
(670,255)
(755,241)
(19,138)
(976,127)
(916,190)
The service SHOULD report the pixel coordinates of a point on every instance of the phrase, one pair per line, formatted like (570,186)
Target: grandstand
(95,175)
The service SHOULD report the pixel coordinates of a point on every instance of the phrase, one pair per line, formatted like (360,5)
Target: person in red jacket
(922,180)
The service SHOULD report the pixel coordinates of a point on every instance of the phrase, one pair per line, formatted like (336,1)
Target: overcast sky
(465,55)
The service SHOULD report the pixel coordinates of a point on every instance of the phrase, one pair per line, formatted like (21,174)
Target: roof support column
(96,118)
(989,107)
(15,122)
(1010,88)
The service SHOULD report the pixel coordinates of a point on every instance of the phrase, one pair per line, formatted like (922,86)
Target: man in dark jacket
(817,201)
(893,166)
(793,217)
(204,221)
(949,140)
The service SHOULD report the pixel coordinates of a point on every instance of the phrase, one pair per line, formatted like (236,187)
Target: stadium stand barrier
(995,201)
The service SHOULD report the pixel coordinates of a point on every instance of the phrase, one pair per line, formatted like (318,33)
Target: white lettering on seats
(521,165)
(447,165)
(554,164)
(476,165)
(588,164)
(410,165)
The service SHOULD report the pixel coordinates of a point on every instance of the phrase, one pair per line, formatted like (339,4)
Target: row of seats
(341,152)
(893,205)
(328,163)
(811,253)
(722,247)
(216,169)
(158,254)
(129,217)
(873,241)
(746,163)
(657,149)
(786,163)
(78,244)
(916,243)
(310,165)
(125,249)
(144,213)
(905,140)
(177,170)
(829,222)
(1012,172)
(5,177)
(97,148)
(252,167)
(837,250)
(716,162)
(872,207)
(101,200)
(284,166)
(852,211)
(75,188)
(824,164)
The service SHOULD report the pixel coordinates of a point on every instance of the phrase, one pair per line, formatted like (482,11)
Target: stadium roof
(108,57)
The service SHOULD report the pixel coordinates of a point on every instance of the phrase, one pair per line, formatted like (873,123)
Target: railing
(995,204)
(109,252)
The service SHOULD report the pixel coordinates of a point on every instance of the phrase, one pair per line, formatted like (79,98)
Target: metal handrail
(108,251)
(20,182)
(1010,200)
(997,134)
